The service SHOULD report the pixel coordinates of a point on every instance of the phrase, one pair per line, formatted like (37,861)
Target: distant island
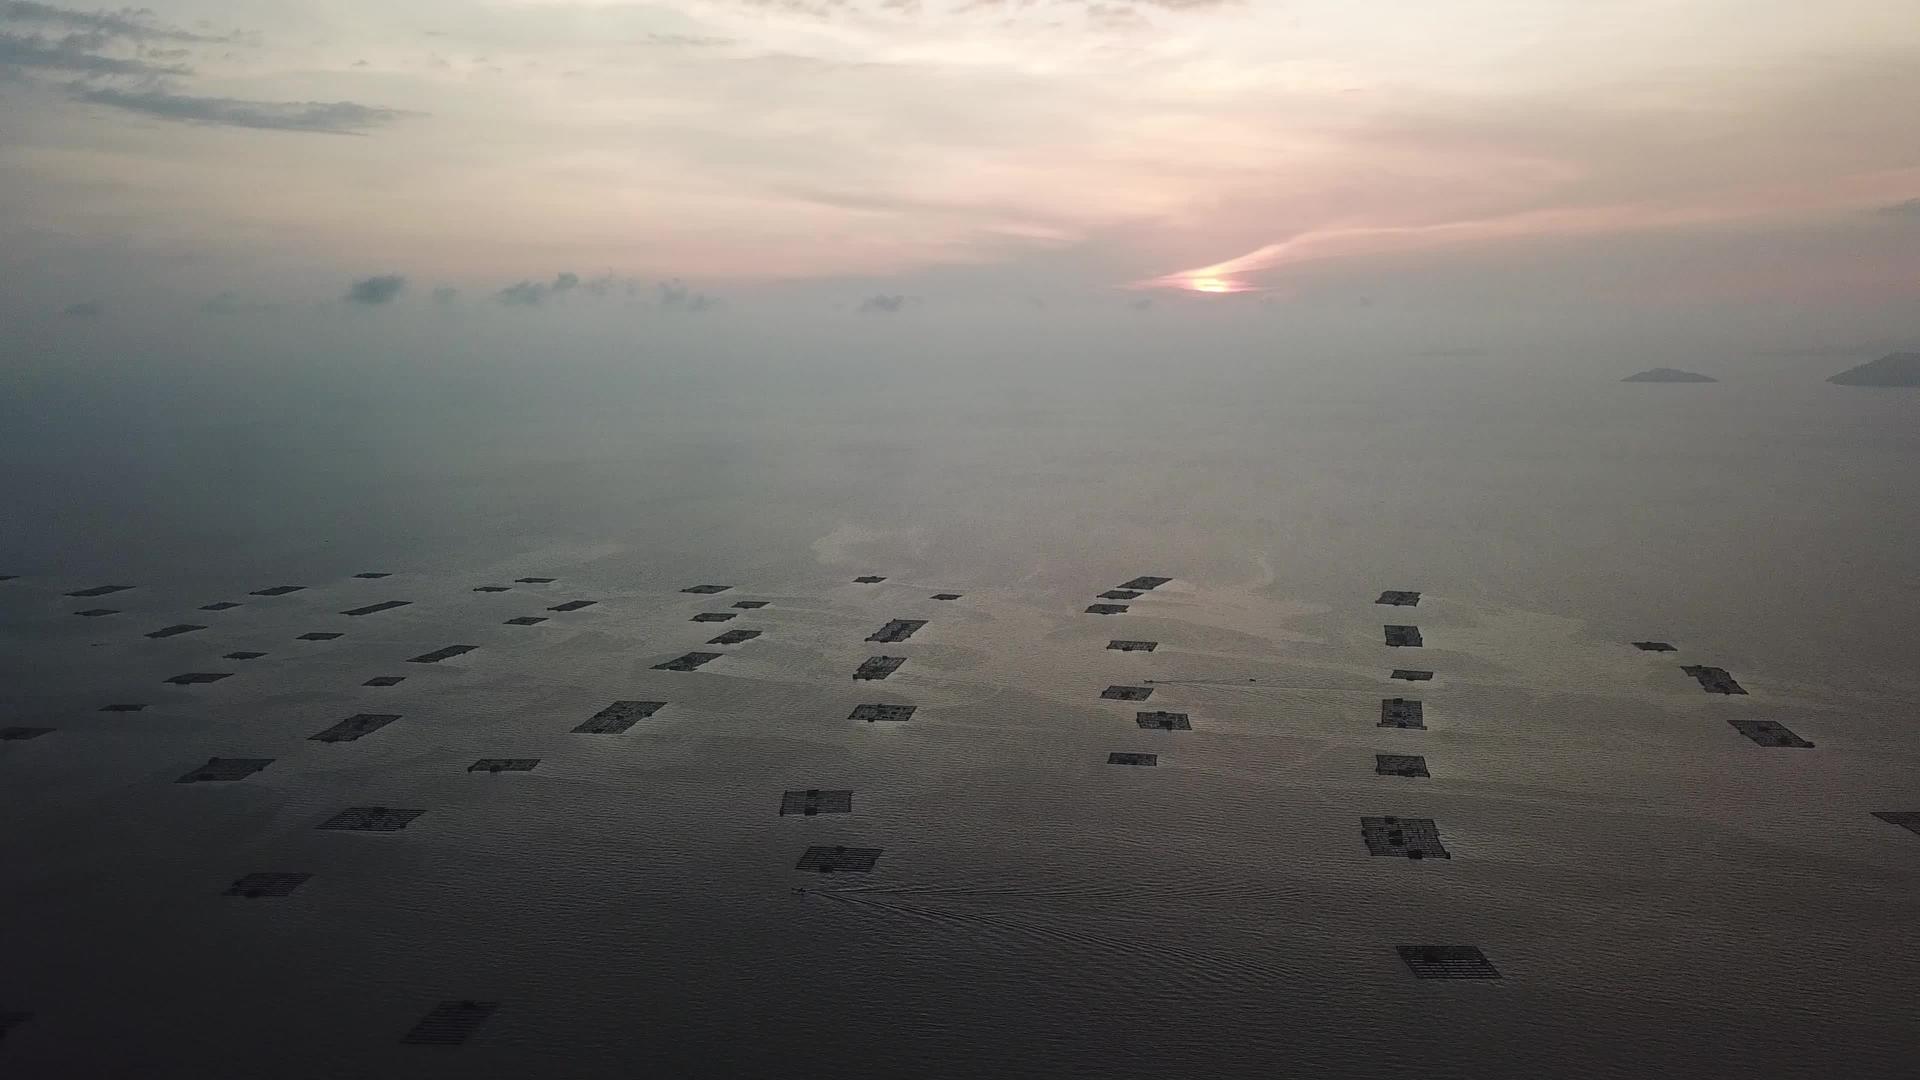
(1667,374)
(1893,369)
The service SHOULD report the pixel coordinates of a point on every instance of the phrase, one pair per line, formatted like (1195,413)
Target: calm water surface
(1661,896)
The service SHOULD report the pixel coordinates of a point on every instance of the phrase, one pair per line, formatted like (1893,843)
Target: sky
(1751,162)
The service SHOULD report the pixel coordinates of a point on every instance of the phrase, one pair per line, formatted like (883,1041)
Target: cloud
(1145,303)
(77,53)
(87,43)
(379,289)
(117,64)
(883,303)
(329,117)
(134,24)
(1908,209)
(527,293)
(85,309)
(675,294)
(1046,14)
(692,41)
(533,293)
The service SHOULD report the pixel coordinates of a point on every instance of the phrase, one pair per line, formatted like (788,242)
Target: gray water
(1660,895)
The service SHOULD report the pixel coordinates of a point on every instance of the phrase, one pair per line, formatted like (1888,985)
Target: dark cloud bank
(883,304)
(379,289)
(107,58)
(673,294)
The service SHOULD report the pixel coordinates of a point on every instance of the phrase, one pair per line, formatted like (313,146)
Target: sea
(1657,893)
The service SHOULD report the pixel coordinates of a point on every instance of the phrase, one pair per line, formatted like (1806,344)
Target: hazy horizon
(1732,175)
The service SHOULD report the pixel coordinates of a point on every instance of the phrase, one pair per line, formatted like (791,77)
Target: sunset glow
(1183,148)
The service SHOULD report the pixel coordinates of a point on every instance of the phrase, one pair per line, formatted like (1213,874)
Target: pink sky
(1132,144)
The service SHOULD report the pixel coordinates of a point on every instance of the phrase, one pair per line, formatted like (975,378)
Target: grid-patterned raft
(618,717)
(1410,765)
(1770,733)
(254,886)
(1409,838)
(816,801)
(1447,962)
(445,652)
(375,609)
(353,727)
(504,764)
(1402,713)
(836,860)
(225,769)
(897,630)
(1905,819)
(879,667)
(371,819)
(450,1023)
(1714,680)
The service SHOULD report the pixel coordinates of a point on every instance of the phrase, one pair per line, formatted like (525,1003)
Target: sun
(1211,285)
